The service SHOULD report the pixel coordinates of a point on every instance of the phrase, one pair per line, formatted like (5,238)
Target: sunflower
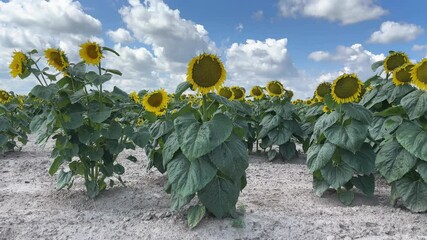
(134,96)
(226,92)
(275,88)
(5,97)
(346,88)
(56,58)
(395,60)
(206,73)
(309,102)
(419,74)
(156,102)
(402,74)
(325,109)
(91,53)
(289,94)
(257,92)
(17,66)
(238,92)
(323,89)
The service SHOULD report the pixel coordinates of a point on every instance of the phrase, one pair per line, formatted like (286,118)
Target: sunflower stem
(44,80)
(204,113)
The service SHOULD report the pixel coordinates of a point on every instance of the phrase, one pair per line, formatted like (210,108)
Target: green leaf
(319,184)
(375,128)
(118,169)
(413,138)
(77,96)
(231,158)
(4,124)
(171,146)
(391,111)
(288,150)
(72,118)
(271,155)
(337,175)
(376,65)
(110,50)
(350,137)
(366,183)
(45,92)
(55,165)
(194,215)
(413,193)
(98,112)
(318,155)
(3,140)
(358,112)
(329,101)
(141,137)
(422,170)
(132,158)
(92,189)
(181,88)
(64,179)
(220,197)
(393,161)
(391,124)
(178,201)
(268,123)
(415,104)
(279,136)
(114,71)
(363,161)
(399,92)
(346,197)
(368,97)
(198,139)
(189,177)
(160,128)
(114,131)
(324,122)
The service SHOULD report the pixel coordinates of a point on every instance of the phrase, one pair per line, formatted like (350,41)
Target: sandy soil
(278,201)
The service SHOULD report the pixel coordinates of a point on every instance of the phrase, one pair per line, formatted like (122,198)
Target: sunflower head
(156,102)
(289,94)
(325,109)
(309,102)
(275,88)
(18,64)
(134,96)
(257,92)
(323,89)
(91,53)
(346,88)
(56,58)
(238,92)
(206,73)
(402,74)
(226,92)
(395,60)
(5,97)
(419,74)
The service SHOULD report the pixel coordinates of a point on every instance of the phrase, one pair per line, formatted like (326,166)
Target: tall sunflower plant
(14,122)
(280,124)
(90,126)
(200,147)
(340,157)
(401,158)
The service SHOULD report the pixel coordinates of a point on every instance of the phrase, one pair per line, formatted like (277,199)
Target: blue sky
(298,42)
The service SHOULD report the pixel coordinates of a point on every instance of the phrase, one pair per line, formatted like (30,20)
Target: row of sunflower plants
(14,122)
(90,126)
(400,128)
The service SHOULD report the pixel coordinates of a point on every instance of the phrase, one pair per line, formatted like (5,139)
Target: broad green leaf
(279,136)
(98,112)
(4,124)
(391,124)
(171,146)
(118,169)
(77,96)
(178,201)
(375,128)
(318,155)
(114,131)
(366,183)
(393,161)
(194,215)
(181,88)
(346,197)
(268,123)
(377,65)
(64,179)
(220,197)
(55,165)
(231,158)
(72,118)
(92,189)
(422,170)
(271,155)
(399,92)
(141,137)
(45,92)
(87,134)
(363,161)
(337,175)
(350,137)
(413,138)
(329,101)
(415,104)
(189,177)
(368,96)
(3,139)
(413,193)
(358,112)
(110,50)
(197,139)
(392,111)
(325,121)
(319,184)
(160,128)
(288,150)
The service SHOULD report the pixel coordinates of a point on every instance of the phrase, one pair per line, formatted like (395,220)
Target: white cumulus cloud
(120,35)
(345,12)
(395,32)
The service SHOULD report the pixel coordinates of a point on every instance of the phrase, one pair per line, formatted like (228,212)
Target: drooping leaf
(220,197)
(197,139)
(346,197)
(171,146)
(413,139)
(393,161)
(194,215)
(358,112)
(318,155)
(161,128)
(337,174)
(98,112)
(189,177)
(363,161)
(366,183)
(141,137)
(72,118)
(350,137)
(268,123)
(64,179)
(422,170)
(288,150)
(319,184)
(415,104)
(271,155)
(413,193)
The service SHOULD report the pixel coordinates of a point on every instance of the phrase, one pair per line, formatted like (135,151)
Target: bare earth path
(278,200)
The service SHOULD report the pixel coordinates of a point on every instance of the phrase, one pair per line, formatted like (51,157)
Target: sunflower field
(201,136)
